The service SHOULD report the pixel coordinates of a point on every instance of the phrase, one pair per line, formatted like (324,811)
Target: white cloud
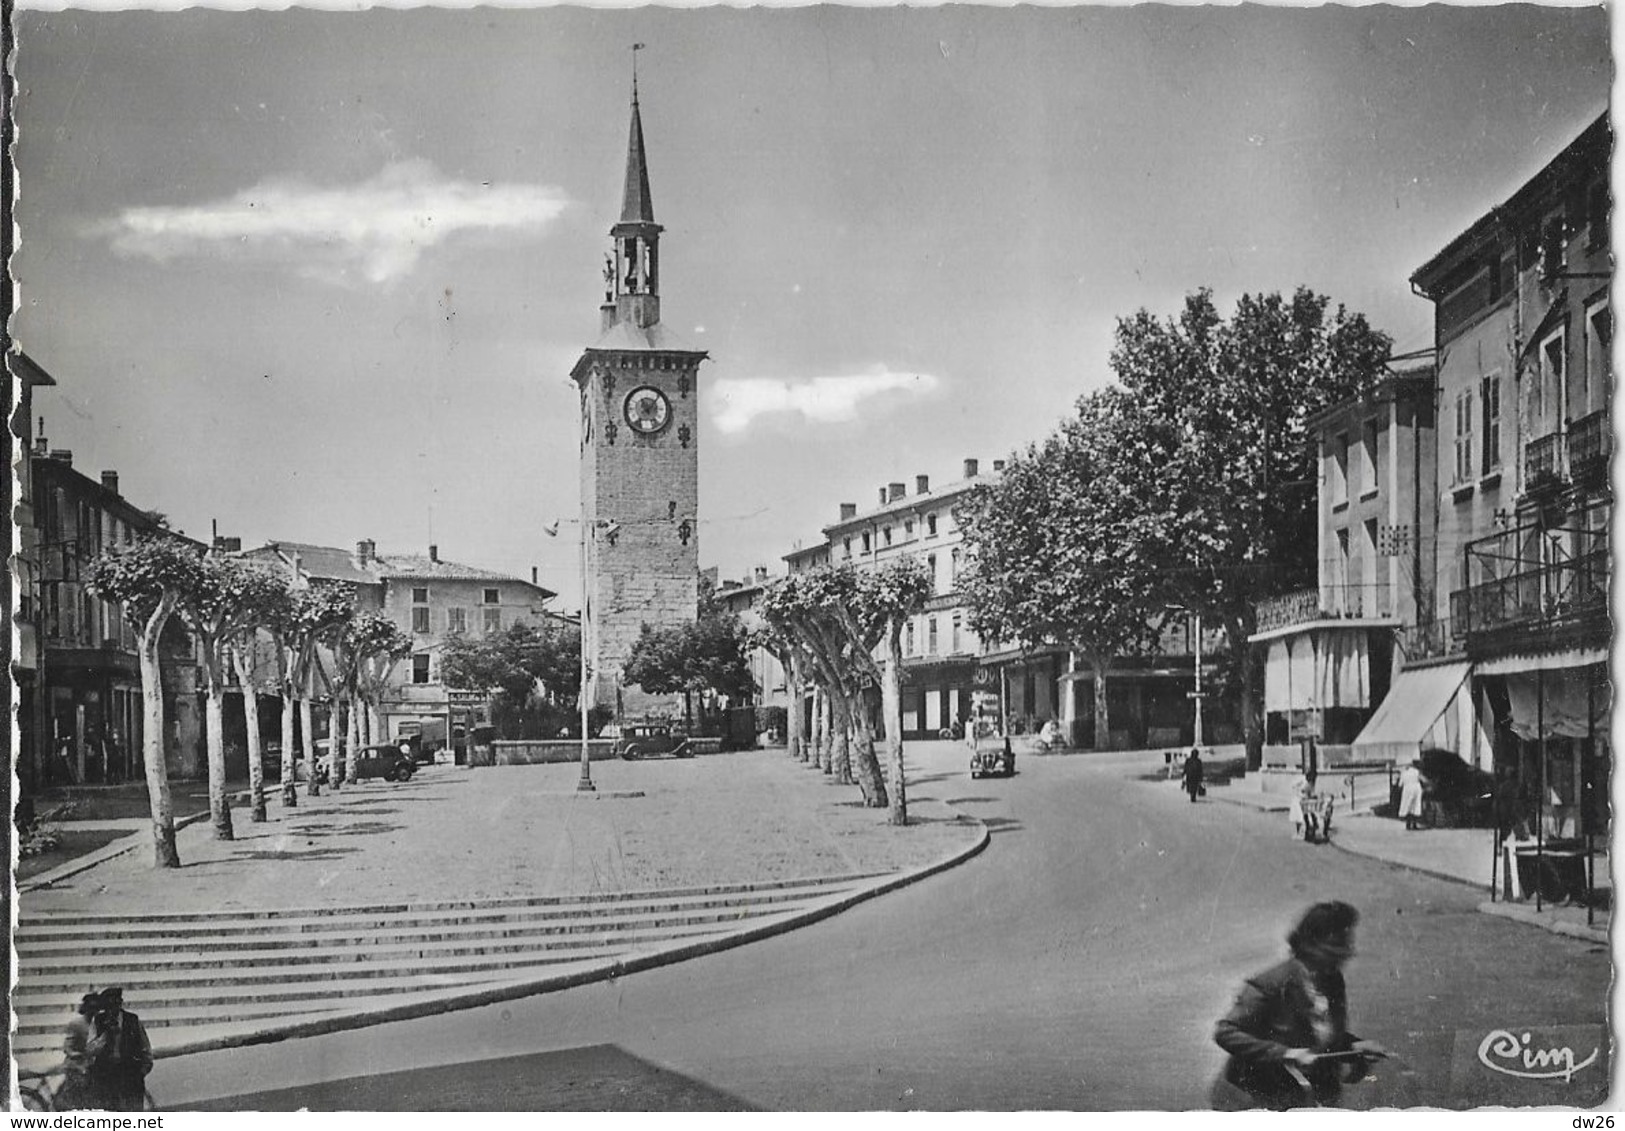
(374,230)
(821,400)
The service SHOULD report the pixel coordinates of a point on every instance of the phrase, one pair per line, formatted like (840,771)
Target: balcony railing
(1590,442)
(1329,602)
(1442,637)
(1549,597)
(1543,463)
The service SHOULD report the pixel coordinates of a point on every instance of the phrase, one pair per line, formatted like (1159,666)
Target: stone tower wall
(649,487)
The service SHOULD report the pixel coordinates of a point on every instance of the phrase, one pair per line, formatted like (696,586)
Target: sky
(321,276)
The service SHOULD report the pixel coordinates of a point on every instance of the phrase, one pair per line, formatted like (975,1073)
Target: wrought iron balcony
(1329,602)
(1590,443)
(1543,464)
(1541,605)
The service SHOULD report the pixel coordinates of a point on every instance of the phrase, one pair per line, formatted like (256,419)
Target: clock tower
(639,454)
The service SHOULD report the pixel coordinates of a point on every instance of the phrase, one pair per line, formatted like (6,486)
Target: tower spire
(637,207)
(633,270)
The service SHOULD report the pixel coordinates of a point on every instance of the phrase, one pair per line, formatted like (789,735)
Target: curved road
(1078,963)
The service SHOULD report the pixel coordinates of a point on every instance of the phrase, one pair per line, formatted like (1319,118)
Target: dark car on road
(646,740)
(387,761)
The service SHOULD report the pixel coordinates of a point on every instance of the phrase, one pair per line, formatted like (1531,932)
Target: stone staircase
(207,977)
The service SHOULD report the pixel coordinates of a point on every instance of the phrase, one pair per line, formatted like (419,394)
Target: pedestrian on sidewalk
(1289,1017)
(1410,795)
(1302,787)
(120,1056)
(1193,775)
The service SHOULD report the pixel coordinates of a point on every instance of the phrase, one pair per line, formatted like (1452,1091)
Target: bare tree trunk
(826,719)
(336,744)
(841,729)
(152,739)
(891,698)
(251,725)
(352,708)
(865,766)
(307,719)
(1103,722)
(215,729)
(290,791)
(1252,728)
(813,752)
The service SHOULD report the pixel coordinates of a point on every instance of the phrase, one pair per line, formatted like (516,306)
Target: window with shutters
(1599,330)
(1490,413)
(457,620)
(420,667)
(1464,437)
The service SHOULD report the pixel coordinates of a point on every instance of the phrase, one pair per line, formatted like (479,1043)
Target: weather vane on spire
(636,47)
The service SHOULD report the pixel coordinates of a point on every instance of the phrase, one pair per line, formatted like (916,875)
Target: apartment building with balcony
(1332,652)
(1524,329)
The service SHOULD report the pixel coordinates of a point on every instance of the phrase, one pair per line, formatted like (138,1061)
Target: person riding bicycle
(1287,1034)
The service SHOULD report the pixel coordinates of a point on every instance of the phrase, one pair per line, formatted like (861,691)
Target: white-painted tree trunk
(891,700)
(153,736)
(242,661)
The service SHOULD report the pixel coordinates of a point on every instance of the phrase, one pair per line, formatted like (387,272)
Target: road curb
(1534,919)
(603,971)
(103,854)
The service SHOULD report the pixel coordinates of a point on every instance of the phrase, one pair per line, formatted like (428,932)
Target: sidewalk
(1459,855)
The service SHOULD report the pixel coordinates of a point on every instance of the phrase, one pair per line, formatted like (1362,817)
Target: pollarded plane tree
(365,650)
(381,645)
(147,579)
(819,609)
(881,605)
(271,598)
(227,599)
(300,626)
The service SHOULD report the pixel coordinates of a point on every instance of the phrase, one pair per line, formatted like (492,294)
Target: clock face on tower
(647,410)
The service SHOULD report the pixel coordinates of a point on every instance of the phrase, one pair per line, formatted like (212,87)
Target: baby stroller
(1317,818)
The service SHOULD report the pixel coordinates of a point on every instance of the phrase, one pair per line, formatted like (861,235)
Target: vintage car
(388,761)
(992,755)
(646,740)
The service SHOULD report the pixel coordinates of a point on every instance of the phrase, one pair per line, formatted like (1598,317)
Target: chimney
(365,550)
(434,553)
(63,455)
(922,484)
(971,468)
(849,510)
(226,545)
(883,496)
(998,465)
(896,491)
(533,580)
(40,445)
(761,573)
(110,481)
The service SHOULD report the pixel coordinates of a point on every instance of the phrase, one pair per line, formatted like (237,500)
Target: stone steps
(238,974)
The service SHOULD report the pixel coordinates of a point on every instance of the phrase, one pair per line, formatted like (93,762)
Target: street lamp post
(1196,694)
(585,784)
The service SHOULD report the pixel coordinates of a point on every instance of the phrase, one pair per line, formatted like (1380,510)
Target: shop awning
(1543,661)
(1418,699)
(1564,702)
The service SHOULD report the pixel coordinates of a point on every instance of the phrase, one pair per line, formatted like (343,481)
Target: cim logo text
(1513,1055)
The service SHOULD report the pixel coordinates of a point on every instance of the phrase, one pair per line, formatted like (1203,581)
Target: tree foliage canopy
(709,653)
(513,660)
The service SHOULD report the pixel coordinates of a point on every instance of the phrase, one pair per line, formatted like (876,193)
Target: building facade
(639,391)
(87,719)
(1332,652)
(1523,331)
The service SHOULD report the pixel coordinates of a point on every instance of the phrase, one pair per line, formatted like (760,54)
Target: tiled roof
(336,564)
(328,562)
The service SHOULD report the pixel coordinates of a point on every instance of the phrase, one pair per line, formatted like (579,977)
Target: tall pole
(1198,679)
(585,784)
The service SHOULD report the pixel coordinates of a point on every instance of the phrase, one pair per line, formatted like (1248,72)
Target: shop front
(1551,756)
